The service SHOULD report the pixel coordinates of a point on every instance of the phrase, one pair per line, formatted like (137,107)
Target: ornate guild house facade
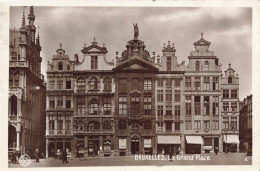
(141,104)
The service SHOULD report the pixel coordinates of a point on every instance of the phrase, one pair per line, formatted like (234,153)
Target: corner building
(142,104)
(26,95)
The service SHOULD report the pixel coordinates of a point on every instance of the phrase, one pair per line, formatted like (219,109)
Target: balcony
(18,91)
(12,118)
(18,64)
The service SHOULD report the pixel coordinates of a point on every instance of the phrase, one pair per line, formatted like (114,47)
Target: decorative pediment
(94,49)
(202,42)
(136,65)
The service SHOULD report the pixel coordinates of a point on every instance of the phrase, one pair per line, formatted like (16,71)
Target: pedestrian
(64,156)
(13,157)
(36,154)
(216,150)
(170,154)
(151,151)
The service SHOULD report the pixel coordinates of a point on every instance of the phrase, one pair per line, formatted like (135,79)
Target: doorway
(135,146)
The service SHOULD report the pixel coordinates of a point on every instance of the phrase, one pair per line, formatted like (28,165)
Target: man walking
(216,150)
(64,156)
(36,154)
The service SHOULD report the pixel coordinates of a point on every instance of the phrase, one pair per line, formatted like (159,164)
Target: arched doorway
(12,138)
(135,144)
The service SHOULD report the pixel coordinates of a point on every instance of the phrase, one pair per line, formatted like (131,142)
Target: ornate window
(225,106)
(234,106)
(215,106)
(135,104)
(93,125)
(80,106)
(206,83)
(215,83)
(94,83)
(229,80)
(94,107)
(188,105)
(188,83)
(226,122)
(206,105)
(51,122)
(60,84)
(13,100)
(206,66)
(197,105)
(225,94)
(107,84)
(233,123)
(81,126)
(60,123)
(60,66)
(197,83)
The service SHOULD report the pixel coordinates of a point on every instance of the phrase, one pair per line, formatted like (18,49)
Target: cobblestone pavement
(209,159)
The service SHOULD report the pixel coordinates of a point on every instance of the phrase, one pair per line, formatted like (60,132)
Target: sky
(228,29)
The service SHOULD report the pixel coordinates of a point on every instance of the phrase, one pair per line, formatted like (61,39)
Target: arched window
(107,84)
(106,125)
(230,80)
(93,125)
(94,107)
(197,65)
(206,65)
(13,100)
(60,66)
(81,125)
(93,83)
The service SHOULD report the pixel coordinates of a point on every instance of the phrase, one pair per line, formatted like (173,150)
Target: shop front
(193,144)
(165,143)
(230,143)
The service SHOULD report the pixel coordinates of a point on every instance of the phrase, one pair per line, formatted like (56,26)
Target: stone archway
(135,143)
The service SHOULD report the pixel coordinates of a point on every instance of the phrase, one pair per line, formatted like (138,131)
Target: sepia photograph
(129,86)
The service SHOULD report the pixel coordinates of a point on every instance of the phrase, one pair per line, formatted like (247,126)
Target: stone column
(18,140)
(86,144)
(182,145)
(100,145)
(220,142)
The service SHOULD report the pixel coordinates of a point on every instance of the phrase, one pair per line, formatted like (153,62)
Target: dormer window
(206,65)
(60,66)
(229,80)
(94,62)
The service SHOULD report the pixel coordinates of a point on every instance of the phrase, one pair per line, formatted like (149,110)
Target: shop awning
(231,139)
(194,139)
(169,139)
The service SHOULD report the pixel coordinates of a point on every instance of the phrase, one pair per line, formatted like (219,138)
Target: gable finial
(201,34)
(60,45)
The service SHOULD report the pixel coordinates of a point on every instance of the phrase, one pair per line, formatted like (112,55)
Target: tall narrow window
(177,111)
(197,124)
(107,84)
(169,110)
(147,105)
(206,83)
(168,95)
(81,126)
(68,104)
(60,84)
(168,126)
(233,124)
(169,63)
(206,66)
(135,104)
(122,124)
(225,94)
(168,82)
(188,83)
(225,122)
(206,105)
(197,105)
(52,104)
(188,125)
(51,122)
(60,66)
(177,96)
(94,107)
(177,82)
(107,106)
(135,84)
(13,100)
(229,80)
(68,123)
(122,105)
(215,83)
(225,106)
(147,85)
(160,82)
(80,106)
(215,124)
(68,84)
(60,123)
(60,103)
(215,106)
(188,105)
(94,62)
(206,125)
(234,106)
(197,65)
(52,84)
(160,95)
(177,125)
(197,83)
(234,94)
(160,111)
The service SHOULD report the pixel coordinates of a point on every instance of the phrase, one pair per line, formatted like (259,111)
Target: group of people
(16,154)
(174,151)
